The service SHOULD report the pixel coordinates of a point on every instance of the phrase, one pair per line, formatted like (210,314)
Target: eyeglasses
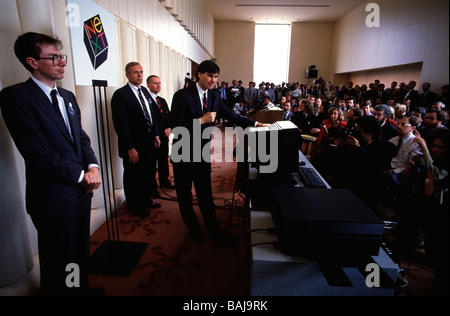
(404,124)
(56,59)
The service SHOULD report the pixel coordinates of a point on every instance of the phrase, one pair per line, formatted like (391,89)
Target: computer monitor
(275,149)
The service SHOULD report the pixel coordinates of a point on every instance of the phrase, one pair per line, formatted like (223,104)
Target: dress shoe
(141,213)
(153,204)
(196,234)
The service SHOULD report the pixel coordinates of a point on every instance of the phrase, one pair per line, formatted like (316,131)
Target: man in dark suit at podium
(138,139)
(198,106)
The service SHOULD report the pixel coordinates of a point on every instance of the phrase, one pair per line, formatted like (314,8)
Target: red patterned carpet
(173,264)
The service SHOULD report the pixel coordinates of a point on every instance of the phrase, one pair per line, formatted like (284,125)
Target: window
(272,44)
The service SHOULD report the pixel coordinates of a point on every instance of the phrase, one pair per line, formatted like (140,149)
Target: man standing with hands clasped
(61,168)
(162,115)
(138,137)
(199,104)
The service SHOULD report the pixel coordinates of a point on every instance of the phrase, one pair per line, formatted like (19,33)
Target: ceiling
(281,11)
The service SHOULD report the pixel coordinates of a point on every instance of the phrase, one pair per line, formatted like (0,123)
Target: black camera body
(351,132)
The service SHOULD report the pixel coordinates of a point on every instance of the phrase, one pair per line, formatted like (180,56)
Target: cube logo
(95,41)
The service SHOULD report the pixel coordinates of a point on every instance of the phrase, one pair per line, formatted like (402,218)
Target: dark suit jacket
(186,106)
(289,115)
(162,119)
(53,160)
(427,99)
(129,122)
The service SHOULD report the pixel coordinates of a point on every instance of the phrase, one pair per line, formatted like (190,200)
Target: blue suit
(54,160)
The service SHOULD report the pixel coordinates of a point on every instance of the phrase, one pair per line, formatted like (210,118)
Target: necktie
(55,103)
(159,106)
(399,144)
(148,120)
(205,103)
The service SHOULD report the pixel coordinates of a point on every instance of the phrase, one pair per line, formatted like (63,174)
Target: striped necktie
(205,103)
(148,119)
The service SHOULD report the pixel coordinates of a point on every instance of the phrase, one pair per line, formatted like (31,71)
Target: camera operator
(369,156)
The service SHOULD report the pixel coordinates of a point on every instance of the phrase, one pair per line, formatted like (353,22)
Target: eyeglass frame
(54,57)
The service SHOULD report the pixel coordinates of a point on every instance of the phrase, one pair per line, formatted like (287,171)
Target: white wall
(411,31)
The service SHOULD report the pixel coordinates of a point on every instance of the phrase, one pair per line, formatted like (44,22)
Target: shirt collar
(153,95)
(200,90)
(132,86)
(408,137)
(44,87)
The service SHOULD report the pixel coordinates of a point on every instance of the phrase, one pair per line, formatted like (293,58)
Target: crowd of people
(387,145)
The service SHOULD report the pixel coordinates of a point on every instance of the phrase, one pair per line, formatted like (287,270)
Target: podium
(267,116)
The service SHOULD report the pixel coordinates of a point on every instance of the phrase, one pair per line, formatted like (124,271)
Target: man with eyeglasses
(61,168)
(407,149)
(401,181)
(434,120)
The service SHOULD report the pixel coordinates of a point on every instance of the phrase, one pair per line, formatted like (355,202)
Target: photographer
(369,155)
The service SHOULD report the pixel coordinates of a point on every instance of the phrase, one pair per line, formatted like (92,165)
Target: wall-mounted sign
(94,45)
(95,41)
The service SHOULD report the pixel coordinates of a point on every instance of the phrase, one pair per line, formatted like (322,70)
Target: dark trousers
(199,173)
(63,238)
(163,163)
(138,182)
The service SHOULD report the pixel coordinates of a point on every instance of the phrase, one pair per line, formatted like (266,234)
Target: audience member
(443,97)
(350,102)
(381,113)
(305,121)
(287,113)
(427,97)
(433,121)
(438,105)
(251,96)
(399,111)
(412,94)
(401,180)
(327,141)
(420,113)
(370,156)
(366,107)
